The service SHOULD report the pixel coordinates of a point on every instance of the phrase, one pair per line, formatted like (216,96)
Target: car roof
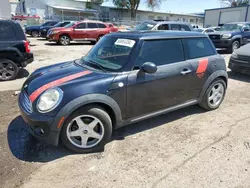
(150,35)
(92,21)
(238,23)
(173,22)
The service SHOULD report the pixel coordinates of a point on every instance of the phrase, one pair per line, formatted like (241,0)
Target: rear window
(198,47)
(161,52)
(7,32)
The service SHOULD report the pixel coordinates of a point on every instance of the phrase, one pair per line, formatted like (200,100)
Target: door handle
(186,71)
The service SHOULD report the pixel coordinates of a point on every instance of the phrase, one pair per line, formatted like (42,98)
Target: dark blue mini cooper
(126,77)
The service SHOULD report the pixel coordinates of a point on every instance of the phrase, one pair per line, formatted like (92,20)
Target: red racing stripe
(202,67)
(55,83)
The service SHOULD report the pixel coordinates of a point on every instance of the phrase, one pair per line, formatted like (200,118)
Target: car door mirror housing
(246,29)
(149,67)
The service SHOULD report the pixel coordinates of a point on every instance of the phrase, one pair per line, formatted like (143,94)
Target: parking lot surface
(187,148)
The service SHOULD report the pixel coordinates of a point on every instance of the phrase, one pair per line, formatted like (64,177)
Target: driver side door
(79,32)
(169,86)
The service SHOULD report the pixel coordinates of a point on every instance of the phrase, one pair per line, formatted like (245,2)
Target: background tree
(234,3)
(132,5)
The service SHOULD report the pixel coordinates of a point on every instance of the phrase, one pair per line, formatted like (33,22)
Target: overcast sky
(181,6)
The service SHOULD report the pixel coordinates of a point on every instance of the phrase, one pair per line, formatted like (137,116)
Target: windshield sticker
(125,42)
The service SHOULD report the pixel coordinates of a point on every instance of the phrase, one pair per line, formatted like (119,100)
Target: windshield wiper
(93,63)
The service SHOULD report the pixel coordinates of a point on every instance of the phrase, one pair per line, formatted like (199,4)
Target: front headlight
(44,30)
(54,32)
(234,55)
(49,100)
(226,36)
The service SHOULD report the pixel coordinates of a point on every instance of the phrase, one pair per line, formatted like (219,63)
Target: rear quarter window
(198,47)
(7,32)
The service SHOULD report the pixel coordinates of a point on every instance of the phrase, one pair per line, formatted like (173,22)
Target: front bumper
(222,43)
(40,126)
(239,66)
(43,34)
(52,37)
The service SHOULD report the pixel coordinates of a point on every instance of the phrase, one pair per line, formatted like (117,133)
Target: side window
(161,52)
(7,32)
(101,25)
(198,47)
(163,27)
(81,26)
(185,28)
(175,27)
(64,23)
(92,26)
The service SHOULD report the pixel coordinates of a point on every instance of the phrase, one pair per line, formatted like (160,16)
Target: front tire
(87,130)
(214,95)
(8,70)
(235,45)
(64,40)
(34,34)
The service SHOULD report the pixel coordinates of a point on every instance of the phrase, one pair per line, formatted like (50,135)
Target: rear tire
(8,70)
(64,40)
(77,132)
(214,95)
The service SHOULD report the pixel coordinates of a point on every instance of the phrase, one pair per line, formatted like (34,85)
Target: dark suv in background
(44,30)
(231,36)
(34,30)
(14,50)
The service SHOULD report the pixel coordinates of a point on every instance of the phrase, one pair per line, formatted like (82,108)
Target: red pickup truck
(80,31)
(24,17)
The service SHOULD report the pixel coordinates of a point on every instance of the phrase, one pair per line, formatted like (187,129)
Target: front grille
(244,58)
(25,101)
(214,37)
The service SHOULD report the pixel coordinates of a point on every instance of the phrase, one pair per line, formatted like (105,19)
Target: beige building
(113,13)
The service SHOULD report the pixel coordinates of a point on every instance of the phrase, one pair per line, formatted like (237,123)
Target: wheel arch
(66,35)
(218,74)
(101,100)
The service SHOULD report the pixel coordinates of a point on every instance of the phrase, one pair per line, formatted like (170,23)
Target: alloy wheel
(235,45)
(85,131)
(35,34)
(216,95)
(64,40)
(6,70)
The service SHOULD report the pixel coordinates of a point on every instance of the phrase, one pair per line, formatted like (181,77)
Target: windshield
(58,24)
(144,26)
(70,25)
(109,54)
(231,27)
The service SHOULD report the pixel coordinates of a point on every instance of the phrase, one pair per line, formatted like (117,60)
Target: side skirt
(157,113)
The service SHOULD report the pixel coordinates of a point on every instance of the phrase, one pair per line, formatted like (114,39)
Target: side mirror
(149,67)
(246,29)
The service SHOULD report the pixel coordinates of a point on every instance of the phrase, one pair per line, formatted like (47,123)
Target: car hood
(47,27)
(33,27)
(222,32)
(244,50)
(58,75)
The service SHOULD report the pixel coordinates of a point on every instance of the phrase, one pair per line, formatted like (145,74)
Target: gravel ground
(183,149)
